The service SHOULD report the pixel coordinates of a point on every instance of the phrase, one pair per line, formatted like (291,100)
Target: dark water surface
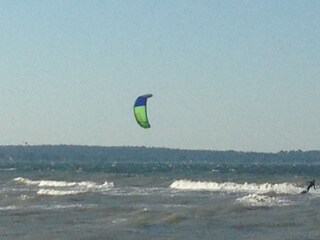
(159,201)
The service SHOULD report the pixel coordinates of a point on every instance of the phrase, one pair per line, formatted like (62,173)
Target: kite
(140,110)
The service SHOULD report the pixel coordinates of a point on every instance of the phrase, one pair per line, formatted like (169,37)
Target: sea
(160,201)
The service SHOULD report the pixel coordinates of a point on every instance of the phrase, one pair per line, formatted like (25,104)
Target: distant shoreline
(80,153)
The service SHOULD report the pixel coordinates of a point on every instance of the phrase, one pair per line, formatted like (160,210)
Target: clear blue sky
(241,75)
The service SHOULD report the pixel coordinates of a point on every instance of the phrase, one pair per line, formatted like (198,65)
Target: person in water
(310,185)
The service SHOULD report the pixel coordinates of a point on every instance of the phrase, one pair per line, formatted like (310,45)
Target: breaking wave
(278,188)
(54,192)
(258,200)
(51,183)
(47,207)
(8,169)
(61,188)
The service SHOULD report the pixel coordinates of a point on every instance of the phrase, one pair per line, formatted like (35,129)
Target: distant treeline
(99,154)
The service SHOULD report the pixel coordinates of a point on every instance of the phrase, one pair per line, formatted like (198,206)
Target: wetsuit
(311,184)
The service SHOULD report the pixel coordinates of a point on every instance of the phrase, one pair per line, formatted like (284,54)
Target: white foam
(47,207)
(59,206)
(60,188)
(8,208)
(119,220)
(137,191)
(8,169)
(53,192)
(263,200)
(22,180)
(279,188)
(25,197)
(51,183)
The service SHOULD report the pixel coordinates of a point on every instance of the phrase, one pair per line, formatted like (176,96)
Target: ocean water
(160,201)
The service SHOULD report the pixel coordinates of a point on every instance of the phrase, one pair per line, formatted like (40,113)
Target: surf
(61,188)
(233,187)
(260,200)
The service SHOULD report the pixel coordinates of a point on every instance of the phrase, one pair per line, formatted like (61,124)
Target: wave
(60,188)
(51,183)
(7,208)
(258,200)
(8,169)
(53,192)
(47,207)
(24,197)
(278,188)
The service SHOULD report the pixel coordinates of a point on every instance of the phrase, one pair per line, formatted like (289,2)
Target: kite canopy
(140,110)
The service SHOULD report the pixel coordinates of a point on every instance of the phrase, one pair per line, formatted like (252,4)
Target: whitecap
(60,188)
(279,188)
(7,208)
(119,220)
(25,197)
(259,200)
(53,192)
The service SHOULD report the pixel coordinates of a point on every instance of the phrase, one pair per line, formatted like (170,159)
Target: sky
(225,75)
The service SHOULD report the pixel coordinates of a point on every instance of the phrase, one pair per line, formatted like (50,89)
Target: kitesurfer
(310,185)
